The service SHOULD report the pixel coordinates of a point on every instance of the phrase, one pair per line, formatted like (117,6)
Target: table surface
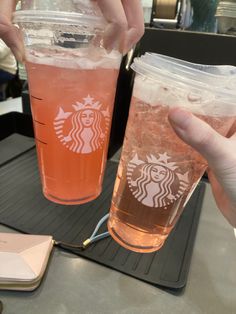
(73,285)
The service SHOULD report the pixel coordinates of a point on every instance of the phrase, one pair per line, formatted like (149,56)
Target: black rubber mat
(13,146)
(23,207)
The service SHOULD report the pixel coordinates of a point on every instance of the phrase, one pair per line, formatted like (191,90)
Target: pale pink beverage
(157,173)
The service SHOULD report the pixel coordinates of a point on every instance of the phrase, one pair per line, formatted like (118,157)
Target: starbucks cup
(158,172)
(72,83)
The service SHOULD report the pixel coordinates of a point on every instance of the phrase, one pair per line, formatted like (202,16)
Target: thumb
(198,134)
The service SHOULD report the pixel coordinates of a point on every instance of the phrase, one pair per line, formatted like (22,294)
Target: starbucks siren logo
(83,131)
(156,182)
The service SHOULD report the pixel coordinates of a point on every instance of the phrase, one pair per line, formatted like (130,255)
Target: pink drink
(72,83)
(156,176)
(72,100)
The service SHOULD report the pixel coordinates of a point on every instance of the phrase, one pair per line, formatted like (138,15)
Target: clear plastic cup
(72,82)
(158,172)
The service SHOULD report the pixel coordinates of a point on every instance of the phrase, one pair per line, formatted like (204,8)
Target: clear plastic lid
(63,12)
(80,6)
(61,18)
(221,70)
(219,79)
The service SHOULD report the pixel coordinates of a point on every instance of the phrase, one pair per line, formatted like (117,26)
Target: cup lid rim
(143,66)
(61,17)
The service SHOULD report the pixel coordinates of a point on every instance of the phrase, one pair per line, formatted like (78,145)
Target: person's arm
(220,152)
(4,50)
(8,32)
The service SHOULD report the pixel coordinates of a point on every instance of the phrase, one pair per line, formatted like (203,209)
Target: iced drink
(157,172)
(72,95)
(72,86)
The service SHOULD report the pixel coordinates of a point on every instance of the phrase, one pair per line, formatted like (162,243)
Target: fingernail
(127,47)
(180,117)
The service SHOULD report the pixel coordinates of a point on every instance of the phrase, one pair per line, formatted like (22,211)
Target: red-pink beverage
(72,82)
(157,173)
(72,99)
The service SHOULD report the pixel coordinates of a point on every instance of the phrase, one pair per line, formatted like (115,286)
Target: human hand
(124,17)
(220,152)
(125,23)
(8,32)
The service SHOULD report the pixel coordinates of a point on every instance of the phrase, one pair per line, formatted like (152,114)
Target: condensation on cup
(158,172)
(72,82)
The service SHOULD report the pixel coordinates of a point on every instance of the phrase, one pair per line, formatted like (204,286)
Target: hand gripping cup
(72,83)
(158,172)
